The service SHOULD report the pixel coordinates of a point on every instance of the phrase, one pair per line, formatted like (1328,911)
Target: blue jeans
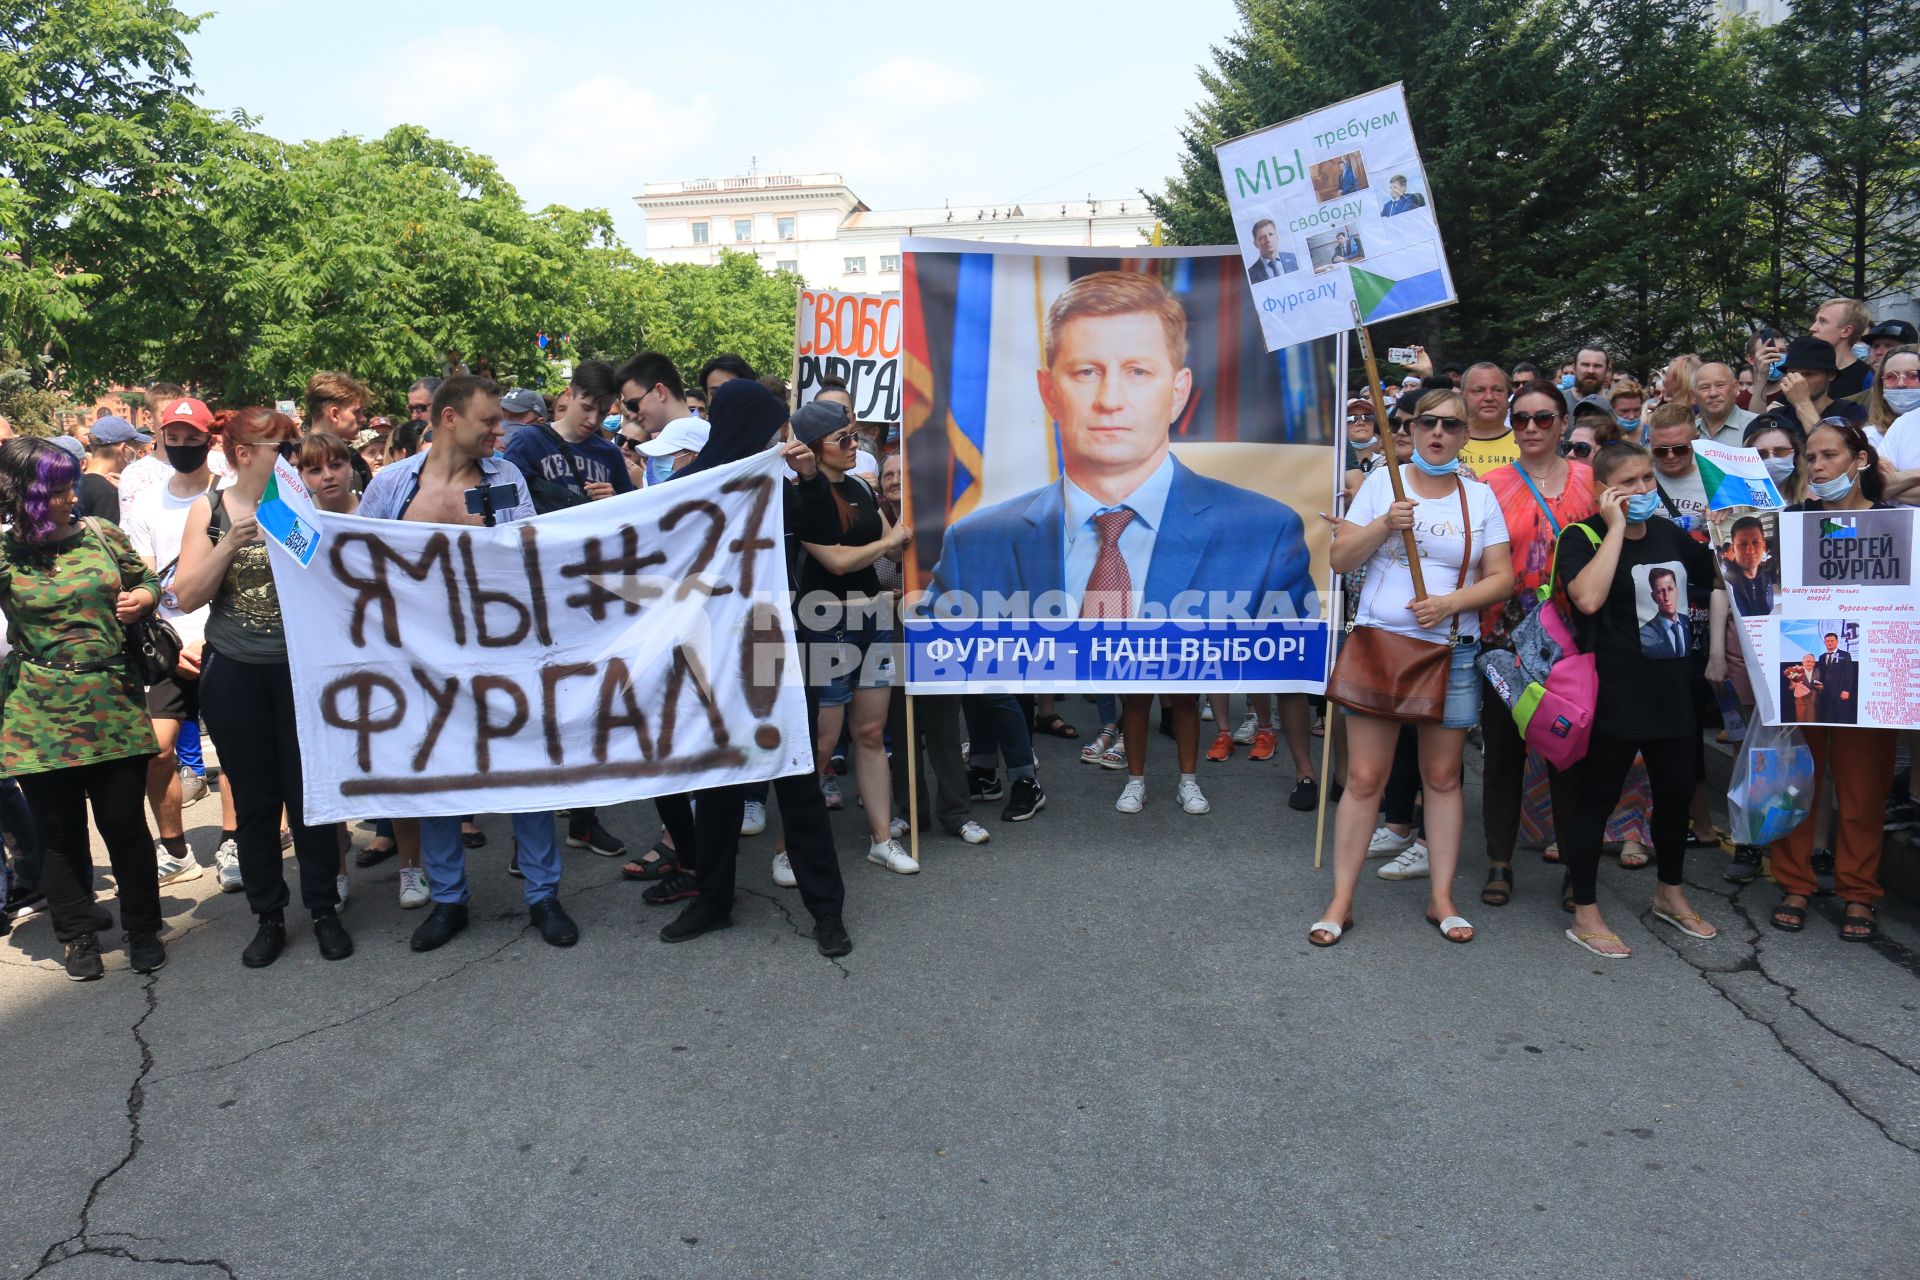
(445,858)
(997,727)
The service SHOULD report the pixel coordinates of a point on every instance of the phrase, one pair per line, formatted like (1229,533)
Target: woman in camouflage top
(73,722)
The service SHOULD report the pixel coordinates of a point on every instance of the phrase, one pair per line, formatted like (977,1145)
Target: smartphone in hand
(1402,355)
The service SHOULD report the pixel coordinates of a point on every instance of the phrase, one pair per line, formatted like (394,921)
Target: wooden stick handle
(1392,454)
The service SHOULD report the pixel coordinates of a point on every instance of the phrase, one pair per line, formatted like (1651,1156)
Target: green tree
(1844,80)
(96,129)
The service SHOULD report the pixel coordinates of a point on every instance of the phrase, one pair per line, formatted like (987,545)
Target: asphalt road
(1098,1046)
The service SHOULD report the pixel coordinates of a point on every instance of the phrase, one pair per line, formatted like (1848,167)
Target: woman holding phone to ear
(1625,572)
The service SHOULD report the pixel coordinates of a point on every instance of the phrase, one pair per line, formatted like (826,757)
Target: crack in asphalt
(795,926)
(86,1240)
(1755,962)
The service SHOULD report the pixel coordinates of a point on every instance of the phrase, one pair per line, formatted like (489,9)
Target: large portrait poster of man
(1111,482)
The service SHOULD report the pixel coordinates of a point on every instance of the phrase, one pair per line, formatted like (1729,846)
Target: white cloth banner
(854,337)
(1332,209)
(628,648)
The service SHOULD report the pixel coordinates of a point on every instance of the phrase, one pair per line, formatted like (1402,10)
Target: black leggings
(1596,784)
(58,799)
(248,708)
(1403,780)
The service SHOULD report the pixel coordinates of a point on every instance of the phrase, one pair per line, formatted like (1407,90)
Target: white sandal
(1328,926)
(1447,926)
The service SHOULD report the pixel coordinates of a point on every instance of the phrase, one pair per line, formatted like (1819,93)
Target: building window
(699,233)
(889,262)
(854,266)
(788,264)
(785,226)
(743,228)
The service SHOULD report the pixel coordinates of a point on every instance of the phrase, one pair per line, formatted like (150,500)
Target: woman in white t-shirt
(1439,492)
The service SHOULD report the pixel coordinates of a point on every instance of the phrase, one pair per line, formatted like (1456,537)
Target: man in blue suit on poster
(1126,522)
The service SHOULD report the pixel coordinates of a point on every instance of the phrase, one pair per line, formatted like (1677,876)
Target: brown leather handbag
(1394,677)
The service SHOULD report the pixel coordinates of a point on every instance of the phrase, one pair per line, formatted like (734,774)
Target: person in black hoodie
(744,417)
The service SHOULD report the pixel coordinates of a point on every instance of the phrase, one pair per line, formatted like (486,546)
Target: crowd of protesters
(1521,485)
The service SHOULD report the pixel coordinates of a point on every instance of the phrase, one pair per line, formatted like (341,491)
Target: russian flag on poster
(1735,477)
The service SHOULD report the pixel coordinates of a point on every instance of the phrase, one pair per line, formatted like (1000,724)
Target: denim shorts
(858,657)
(1462,707)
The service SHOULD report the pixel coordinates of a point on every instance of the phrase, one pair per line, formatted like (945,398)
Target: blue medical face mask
(1450,467)
(1629,424)
(1861,351)
(1641,507)
(1779,469)
(1832,490)
(1902,399)
(659,469)
(1775,372)
(1566,382)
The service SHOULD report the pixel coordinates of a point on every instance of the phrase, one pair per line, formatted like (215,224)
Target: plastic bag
(1771,791)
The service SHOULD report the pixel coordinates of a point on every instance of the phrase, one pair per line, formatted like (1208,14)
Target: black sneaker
(1745,867)
(335,942)
(677,887)
(984,784)
(597,838)
(830,936)
(1822,862)
(1305,796)
(1027,800)
(145,952)
(268,941)
(83,958)
(1903,813)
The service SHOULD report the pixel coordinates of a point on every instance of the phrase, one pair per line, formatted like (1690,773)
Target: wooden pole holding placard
(1392,453)
(793,377)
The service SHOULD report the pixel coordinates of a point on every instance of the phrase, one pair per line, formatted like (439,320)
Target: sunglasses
(1450,425)
(1543,418)
(1670,450)
(632,405)
(841,440)
(1580,449)
(1400,427)
(630,444)
(1359,417)
(1781,451)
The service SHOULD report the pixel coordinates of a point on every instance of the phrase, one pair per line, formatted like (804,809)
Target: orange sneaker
(1263,744)
(1222,746)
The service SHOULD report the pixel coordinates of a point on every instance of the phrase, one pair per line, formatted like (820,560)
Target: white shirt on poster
(1388,589)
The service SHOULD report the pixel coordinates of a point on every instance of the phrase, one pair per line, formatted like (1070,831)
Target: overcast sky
(581,103)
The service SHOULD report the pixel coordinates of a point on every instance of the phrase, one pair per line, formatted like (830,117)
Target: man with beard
(1592,376)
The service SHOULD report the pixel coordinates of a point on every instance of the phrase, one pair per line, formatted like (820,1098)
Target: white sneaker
(898,828)
(890,855)
(783,871)
(1386,842)
(1410,865)
(1191,798)
(340,890)
(175,870)
(226,864)
(193,787)
(1247,728)
(1206,709)
(830,791)
(413,888)
(753,820)
(974,833)
(1133,796)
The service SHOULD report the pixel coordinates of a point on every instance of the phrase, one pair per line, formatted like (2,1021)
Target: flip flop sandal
(1685,922)
(1788,918)
(1503,877)
(1865,928)
(1696,841)
(1447,926)
(1056,726)
(372,856)
(1338,931)
(473,839)
(663,863)
(1634,855)
(1585,941)
(1551,853)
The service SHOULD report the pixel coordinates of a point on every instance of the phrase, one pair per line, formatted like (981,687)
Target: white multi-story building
(813,224)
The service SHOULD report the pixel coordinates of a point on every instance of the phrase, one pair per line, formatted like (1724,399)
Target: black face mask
(188,458)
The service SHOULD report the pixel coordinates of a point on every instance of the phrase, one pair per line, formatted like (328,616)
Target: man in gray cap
(114,442)
(521,407)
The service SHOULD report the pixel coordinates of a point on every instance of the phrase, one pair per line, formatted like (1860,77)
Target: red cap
(189,411)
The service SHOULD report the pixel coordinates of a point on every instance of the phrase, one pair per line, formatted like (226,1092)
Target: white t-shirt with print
(1388,589)
(155,525)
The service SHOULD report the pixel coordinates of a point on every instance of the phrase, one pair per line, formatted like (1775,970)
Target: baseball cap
(187,410)
(1898,330)
(524,400)
(112,430)
(1359,404)
(1595,403)
(689,434)
(816,418)
(68,444)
